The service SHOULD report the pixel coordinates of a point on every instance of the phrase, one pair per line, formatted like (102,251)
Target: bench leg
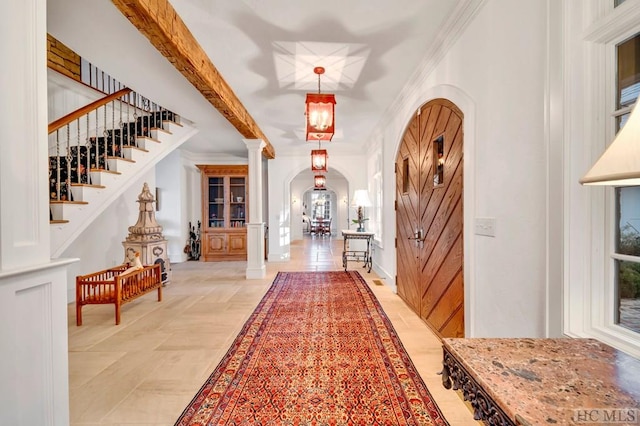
(78,314)
(117,313)
(160,294)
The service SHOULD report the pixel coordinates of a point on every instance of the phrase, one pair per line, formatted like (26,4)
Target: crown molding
(448,35)
(617,25)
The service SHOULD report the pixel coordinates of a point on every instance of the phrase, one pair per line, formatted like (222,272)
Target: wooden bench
(111,286)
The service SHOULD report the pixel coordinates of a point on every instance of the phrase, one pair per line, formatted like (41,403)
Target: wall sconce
(294,200)
(320,110)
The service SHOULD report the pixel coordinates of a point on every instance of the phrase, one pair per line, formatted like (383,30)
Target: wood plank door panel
(430,273)
(407,183)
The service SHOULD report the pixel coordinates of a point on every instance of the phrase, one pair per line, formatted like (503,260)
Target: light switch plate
(486,226)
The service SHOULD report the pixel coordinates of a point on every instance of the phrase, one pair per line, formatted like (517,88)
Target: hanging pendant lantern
(320,108)
(319,182)
(319,160)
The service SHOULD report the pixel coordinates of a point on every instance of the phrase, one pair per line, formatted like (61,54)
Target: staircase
(95,153)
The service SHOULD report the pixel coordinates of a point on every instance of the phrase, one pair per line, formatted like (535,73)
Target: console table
(543,381)
(357,255)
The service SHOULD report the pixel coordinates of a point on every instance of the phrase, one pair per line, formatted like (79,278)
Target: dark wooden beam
(166,31)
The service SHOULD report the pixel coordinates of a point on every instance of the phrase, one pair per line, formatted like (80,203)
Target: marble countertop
(550,381)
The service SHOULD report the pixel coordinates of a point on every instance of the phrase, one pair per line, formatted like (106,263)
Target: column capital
(254,144)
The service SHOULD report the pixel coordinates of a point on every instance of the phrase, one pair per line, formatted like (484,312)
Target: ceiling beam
(160,23)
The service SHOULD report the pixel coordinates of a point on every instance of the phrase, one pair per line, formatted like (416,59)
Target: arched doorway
(308,203)
(429,217)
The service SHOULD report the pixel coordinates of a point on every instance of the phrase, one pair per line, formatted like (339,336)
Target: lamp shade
(361,198)
(619,165)
(320,116)
(319,160)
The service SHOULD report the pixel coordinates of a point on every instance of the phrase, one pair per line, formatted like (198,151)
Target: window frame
(611,288)
(594,299)
(376,193)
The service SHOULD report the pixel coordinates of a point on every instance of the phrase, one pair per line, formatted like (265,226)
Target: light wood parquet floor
(145,371)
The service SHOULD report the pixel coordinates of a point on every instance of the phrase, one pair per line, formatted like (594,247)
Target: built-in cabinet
(224,212)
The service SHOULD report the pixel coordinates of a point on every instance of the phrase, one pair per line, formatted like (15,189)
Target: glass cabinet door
(216,202)
(237,202)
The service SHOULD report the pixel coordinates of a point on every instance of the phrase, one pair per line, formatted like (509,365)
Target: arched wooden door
(429,217)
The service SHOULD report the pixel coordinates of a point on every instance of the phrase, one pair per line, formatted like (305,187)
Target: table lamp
(360,201)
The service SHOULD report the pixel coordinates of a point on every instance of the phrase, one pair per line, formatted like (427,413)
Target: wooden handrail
(63,121)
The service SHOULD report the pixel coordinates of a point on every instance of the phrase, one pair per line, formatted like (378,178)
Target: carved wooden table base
(484,407)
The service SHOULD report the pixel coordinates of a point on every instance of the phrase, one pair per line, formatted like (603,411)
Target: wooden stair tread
(67,202)
(54,222)
(88,185)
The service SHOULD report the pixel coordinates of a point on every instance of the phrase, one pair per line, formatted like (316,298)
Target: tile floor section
(145,371)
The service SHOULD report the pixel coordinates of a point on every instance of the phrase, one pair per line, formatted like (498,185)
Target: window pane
(628,226)
(617,3)
(621,120)
(628,57)
(320,205)
(628,295)
(405,175)
(438,161)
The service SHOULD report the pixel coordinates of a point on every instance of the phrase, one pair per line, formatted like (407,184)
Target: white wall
(65,95)
(173,215)
(100,245)
(495,73)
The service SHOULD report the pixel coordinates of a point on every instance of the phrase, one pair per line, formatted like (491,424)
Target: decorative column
(145,237)
(255,228)
(34,374)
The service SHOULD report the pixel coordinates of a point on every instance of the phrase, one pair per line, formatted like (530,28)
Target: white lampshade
(619,165)
(361,198)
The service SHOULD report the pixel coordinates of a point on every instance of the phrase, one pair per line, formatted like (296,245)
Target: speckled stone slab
(553,381)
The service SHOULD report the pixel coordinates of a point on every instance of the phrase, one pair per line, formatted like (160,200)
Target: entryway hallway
(146,370)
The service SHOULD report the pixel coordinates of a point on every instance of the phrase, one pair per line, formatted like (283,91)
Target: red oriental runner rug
(318,350)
